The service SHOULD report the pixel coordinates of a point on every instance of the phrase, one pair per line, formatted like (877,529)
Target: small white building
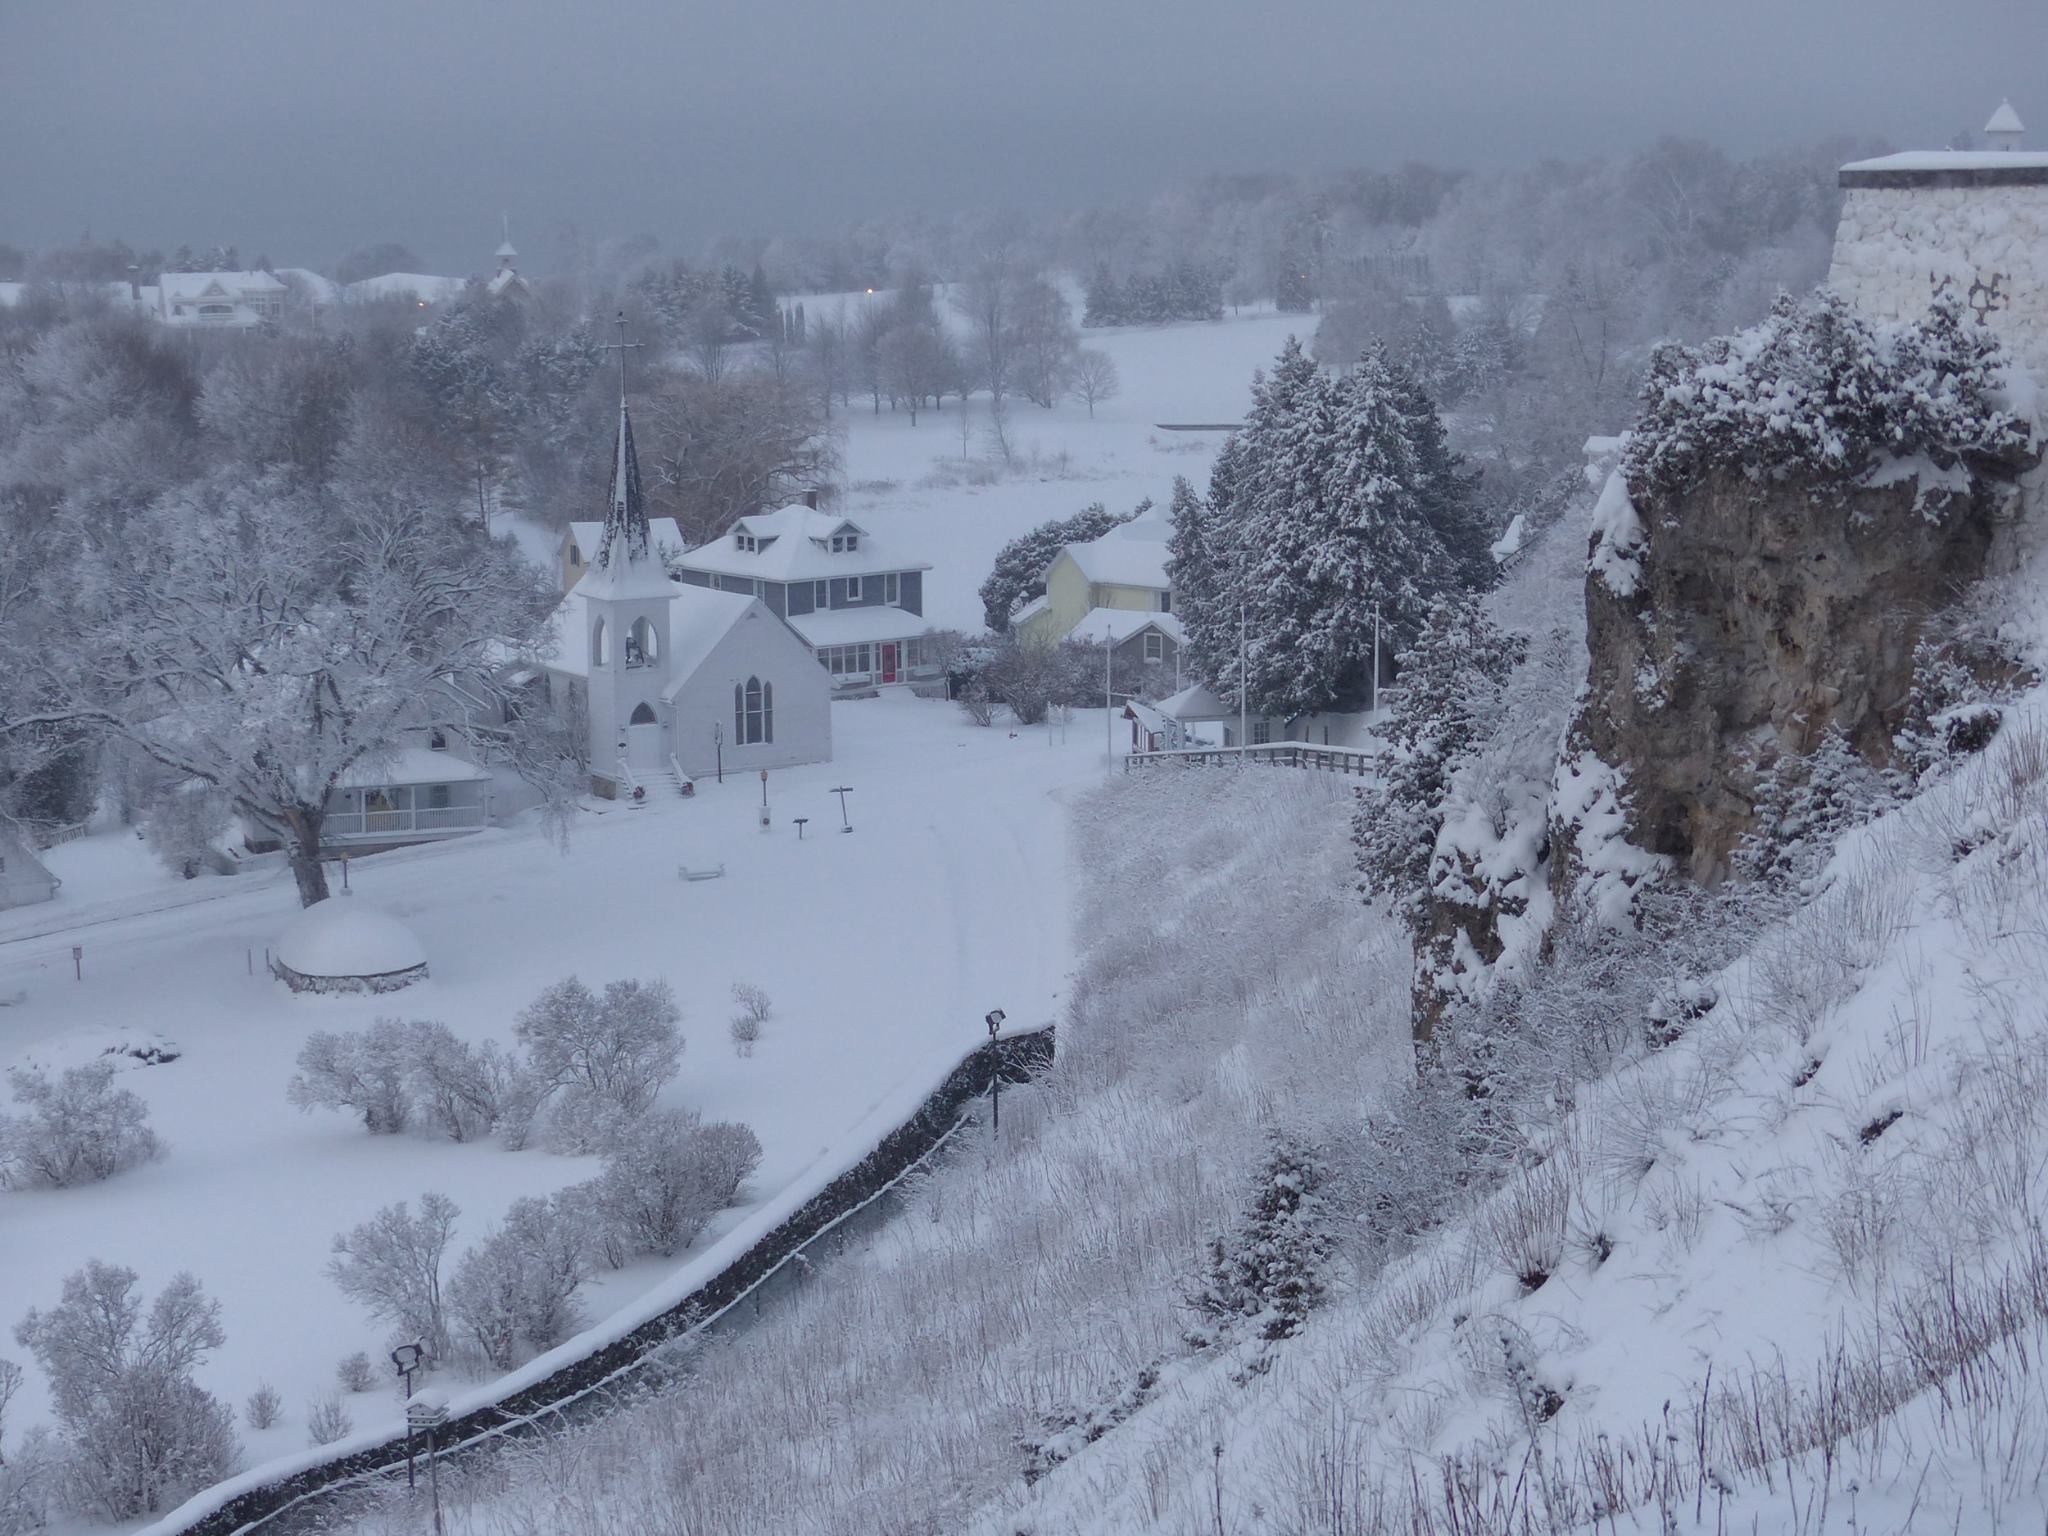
(413,795)
(676,681)
(24,879)
(219,300)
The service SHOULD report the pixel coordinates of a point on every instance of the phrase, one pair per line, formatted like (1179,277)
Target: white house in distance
(416,794)
(858,605)
(23,877)
(579,543)
(219,300)
(676,680)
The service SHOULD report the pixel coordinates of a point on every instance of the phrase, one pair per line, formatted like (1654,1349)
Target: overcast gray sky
(303,127)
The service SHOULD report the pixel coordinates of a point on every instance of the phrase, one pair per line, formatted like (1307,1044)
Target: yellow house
(1125,569)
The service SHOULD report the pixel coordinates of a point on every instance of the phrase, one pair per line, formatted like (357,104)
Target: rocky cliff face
(1732,622)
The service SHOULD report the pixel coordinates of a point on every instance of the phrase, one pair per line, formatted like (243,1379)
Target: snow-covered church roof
(2005,120)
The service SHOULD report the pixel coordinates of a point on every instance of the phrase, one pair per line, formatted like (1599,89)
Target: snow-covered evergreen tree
(1450,685)
(1265,1276)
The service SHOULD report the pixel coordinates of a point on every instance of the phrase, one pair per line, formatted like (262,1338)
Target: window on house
(821,594)
(437,797)
(1262,733)
(575,555)
(1155,645)
(853,589)
(753,712)
(1166,602)
(597,638)
(842,543)
(891,588)
(746,542)
(438,741)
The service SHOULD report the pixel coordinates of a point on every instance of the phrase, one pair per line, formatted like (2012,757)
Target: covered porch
(872,647)
(414,795)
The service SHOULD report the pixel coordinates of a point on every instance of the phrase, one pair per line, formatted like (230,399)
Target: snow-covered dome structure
(345,945)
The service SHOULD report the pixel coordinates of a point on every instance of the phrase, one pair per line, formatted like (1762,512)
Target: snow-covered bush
(1804,805)
(1819,394)
(392,1265)
(418,1074)
(1267,1274)
(327,1421)
(136,1432)
(23,1508)
(354,1373)
(601,1057)
(264,1407)
(976,702)
(79,1129)
(754,1009)
(666,1179)
(184,825)
(362,1072)
(513,1295)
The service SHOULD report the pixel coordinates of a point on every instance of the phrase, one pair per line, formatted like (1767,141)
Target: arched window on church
(642,715)
(597,653)
(642,649)
(753,712)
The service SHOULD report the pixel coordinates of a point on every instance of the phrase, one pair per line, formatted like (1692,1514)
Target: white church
(675,682)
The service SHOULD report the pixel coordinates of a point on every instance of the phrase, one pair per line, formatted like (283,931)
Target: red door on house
(889,661)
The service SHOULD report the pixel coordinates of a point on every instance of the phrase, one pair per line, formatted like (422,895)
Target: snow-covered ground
(881,951)
(914,487)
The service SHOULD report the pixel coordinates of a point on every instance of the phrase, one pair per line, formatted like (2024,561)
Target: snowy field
(881,951)
(913,487)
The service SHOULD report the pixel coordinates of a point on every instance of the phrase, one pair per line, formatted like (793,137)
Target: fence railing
(585,1387)
(1285,754)
(444,818)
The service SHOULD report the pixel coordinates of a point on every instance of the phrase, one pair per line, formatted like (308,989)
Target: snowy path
(882,950)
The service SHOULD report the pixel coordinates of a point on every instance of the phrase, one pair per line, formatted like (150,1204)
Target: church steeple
(626,563)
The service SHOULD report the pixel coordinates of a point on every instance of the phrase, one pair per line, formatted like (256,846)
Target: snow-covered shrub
(1267,1274)
(78,1130)
(392,1265)
(1525,1225)
(354,1373)
(976,702)
(666,1179)
(264,1407)
(601,1056)
(754,1009)
(1819,394)
(1804,805)
(453,1086)
(135,1431)
(362,1072)
(513,1295)
(327,1421)
(184,825)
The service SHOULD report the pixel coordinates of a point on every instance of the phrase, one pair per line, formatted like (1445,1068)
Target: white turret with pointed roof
(2005,129)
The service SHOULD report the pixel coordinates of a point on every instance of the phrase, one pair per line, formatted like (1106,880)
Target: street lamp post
(994,1021)
(428,1410)
(408,1358)
(718,746)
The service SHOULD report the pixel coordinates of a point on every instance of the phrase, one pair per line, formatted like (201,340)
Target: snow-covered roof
(795,545)
(1120,624)
(190,287)
(697,620)
(321,290)
(398,285)
(1197,702)
(505,251)
(2005,120)
(345,936)
(1509,544)
(1031,610)
(504,280)
(850,626)
(664,533)
(411,765)
(1926,160)
(1129,555)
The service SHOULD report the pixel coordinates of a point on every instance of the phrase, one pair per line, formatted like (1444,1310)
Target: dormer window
(746,543)
(842,543)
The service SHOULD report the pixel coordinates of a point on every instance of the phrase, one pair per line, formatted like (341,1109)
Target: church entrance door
(644,750)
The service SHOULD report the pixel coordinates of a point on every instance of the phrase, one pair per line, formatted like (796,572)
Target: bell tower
(627,602)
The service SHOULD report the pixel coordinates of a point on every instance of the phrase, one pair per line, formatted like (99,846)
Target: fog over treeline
(302,131)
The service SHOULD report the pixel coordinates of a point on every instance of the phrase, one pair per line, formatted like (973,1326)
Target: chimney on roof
(811,499)
(2005,129)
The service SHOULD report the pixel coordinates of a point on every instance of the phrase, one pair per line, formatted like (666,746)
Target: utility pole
(1243,704)
(1375,704)
(1108,706)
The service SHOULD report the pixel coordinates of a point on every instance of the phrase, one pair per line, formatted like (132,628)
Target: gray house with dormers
(858,604)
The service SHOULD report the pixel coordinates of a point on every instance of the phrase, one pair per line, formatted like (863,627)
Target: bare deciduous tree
(1094,378)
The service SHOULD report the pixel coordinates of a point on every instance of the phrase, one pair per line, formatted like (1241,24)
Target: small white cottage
(23,877)
(675,681)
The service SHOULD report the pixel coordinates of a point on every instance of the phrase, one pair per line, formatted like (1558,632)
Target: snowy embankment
(881,951)
(1228,980)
